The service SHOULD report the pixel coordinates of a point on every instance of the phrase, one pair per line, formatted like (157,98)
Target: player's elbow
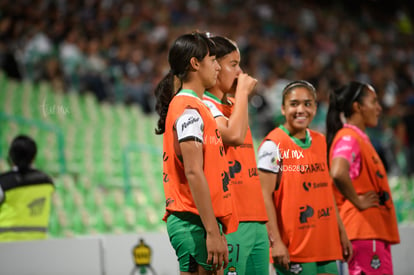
(338,177)
(233,139)
(192,173)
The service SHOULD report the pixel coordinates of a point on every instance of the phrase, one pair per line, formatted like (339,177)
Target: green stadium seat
(130,219)
(95,135)
(57,202)
(104,221)
(3,85)
(77,224)
(55,228)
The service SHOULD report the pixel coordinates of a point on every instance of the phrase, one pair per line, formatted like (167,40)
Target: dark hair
(224,46)
(340,101)
(295,84)
(22,152)
(185,47)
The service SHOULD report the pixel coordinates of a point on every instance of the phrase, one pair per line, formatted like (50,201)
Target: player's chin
(211,84)
(232,89)
(300,125)
(373,122)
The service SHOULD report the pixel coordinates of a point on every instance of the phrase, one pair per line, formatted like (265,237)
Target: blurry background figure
(25,195)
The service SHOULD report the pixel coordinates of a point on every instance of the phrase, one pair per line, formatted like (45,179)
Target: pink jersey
(347,147)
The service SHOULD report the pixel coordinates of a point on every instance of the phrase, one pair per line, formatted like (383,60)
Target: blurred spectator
(37,49)
(25,195)
(138,87)
(408,119)
(53,74)
(8,62)
(93,73)
(71,59)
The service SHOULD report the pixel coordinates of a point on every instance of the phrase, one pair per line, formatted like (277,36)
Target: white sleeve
(190,126)
(213,108)
(269,157)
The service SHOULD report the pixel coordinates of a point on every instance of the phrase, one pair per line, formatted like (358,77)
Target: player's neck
(218,93)
(357,121)
(196,87)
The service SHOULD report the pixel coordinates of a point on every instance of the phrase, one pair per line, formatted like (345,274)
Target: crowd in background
(117,49)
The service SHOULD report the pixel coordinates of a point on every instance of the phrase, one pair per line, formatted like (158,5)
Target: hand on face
(245,83)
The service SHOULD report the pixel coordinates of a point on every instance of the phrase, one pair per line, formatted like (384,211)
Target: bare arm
(233,130)
(339,171)
(280,252)
(347,251)
(192,154)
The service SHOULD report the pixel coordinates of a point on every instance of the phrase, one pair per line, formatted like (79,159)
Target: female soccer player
(198,199)
(364,198)
(249,245)
(304,228)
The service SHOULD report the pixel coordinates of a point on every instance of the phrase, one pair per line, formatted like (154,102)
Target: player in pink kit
(363,194)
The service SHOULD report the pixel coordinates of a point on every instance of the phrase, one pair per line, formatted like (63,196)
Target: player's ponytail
(340,107)
(163,93)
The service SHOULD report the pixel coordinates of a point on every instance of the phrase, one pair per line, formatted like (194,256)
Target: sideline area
(114,255)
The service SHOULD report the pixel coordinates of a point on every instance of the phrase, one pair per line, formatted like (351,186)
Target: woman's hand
(217,251)
(367,200)
(280,255)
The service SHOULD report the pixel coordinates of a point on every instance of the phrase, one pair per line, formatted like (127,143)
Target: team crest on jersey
(375,262)
(296,268)
(275,161)
(232,271)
